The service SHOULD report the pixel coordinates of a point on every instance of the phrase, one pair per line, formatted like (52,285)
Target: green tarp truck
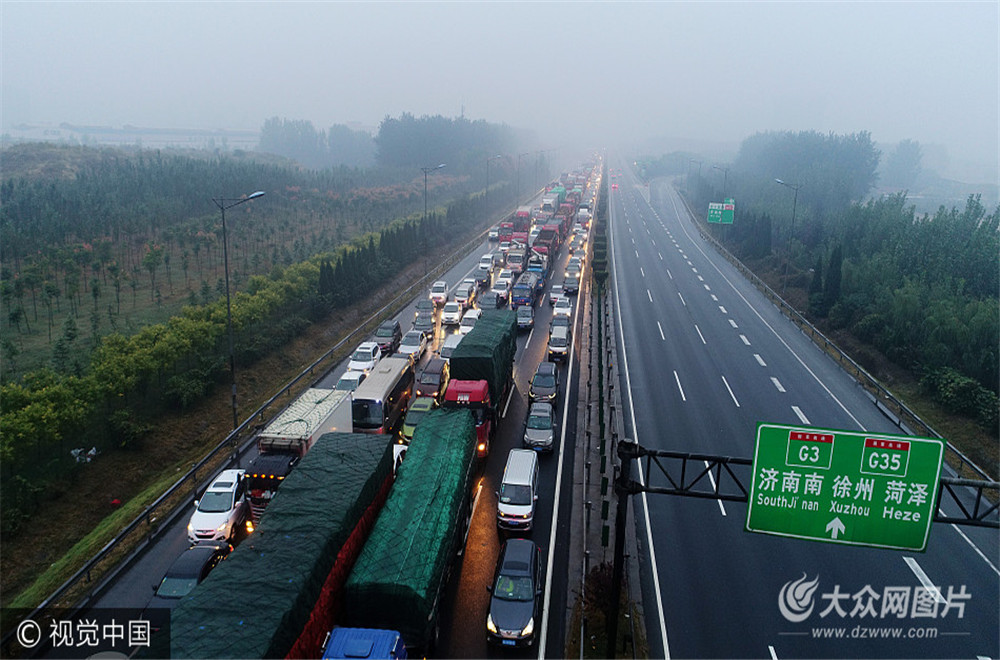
(398,580)
(277,593)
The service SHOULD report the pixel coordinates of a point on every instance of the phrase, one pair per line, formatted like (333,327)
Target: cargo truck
(280,592)
(399,578)
(288,438)
(482,371)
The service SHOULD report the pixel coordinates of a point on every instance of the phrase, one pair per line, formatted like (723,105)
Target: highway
(705,357)
(466,600)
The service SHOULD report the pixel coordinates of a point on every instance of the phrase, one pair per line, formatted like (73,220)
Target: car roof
(516,556)
(226,480)
(413,333)
(435,365)
(389,323)
(540,408)
(191,562)
(565,302)
(560,331)
(440,283)
(546,368)
(422,403)
(370,345)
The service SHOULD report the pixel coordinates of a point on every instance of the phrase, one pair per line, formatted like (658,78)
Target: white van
(450,344)
(518,491)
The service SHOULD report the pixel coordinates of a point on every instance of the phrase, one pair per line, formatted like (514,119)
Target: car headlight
(223,527)
(190,528)
(490,625)
(530,628)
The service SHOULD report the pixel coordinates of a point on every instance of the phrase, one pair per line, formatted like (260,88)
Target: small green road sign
(844,486)
(715,212)
(721,212)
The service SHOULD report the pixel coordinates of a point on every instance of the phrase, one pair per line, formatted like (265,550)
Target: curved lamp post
(223,204)
(788,250)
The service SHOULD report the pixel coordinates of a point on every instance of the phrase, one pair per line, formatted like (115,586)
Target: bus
(525,292)
(380,401)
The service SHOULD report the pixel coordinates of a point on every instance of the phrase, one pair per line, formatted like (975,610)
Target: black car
(544,386)
(187,572)
(516,600)
(571,285)
(424,323)
(490,300)
(425,305)
(388,336)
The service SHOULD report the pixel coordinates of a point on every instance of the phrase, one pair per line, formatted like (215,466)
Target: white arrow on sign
(836,526)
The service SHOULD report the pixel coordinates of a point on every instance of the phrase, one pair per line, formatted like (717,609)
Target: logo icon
(796,599)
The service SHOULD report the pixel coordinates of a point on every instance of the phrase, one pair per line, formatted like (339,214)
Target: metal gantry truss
(727,478)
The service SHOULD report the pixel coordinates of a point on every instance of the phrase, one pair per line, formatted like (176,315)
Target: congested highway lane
(705,359)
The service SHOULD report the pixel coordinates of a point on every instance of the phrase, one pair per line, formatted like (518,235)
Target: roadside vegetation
(913,297)
(314,247)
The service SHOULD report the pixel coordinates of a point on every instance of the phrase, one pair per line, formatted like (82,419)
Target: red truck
(547,241)
(482,372)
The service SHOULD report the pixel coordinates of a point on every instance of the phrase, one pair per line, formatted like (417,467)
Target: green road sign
(715,212)
(844,487)
(721,212)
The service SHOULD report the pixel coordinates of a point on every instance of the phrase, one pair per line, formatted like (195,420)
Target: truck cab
(475,395)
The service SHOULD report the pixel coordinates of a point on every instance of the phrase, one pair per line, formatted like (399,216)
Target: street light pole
(488,180)
(788,250)
(221,203)
(519,156)
(426,170)
(725,179)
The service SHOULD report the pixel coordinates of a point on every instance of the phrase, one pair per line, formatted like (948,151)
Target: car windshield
(410,340)
(367,414)
(517,588)
(349,384)
(362,356)
(384,332)
(515,494)
(544,380)
(524,311)
(557,342)
(176,587)
(540,422)
(216,502)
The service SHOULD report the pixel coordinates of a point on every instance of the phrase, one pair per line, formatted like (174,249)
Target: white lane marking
(555,503)
(636,254)
(768,325)
(642,479)
(745,340)
(924,580)
(693,269)
(661,331)
(733,323)
(682,298)
(770,649)
(730,391)
(801,415)
(642,271)
(660,254)
(759,359)
(711,477)
(978,551)
(701,279)
(678,379)
(723,309)
(700,335)
(669,274)
(649,295)
(708,288)
(777,384)
(531,333)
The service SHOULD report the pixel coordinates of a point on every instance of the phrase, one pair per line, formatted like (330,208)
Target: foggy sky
(599,73)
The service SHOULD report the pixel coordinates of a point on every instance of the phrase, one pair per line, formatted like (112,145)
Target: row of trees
(299,140)
(131,380)
(921,288)
(133,237)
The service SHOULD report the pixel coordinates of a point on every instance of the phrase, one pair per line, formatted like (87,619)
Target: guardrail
(894,409)
(231,442)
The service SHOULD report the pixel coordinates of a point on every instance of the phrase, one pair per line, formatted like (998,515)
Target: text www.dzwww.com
(861,632)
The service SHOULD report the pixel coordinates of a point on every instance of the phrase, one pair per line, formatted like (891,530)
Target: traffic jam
(399,438)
